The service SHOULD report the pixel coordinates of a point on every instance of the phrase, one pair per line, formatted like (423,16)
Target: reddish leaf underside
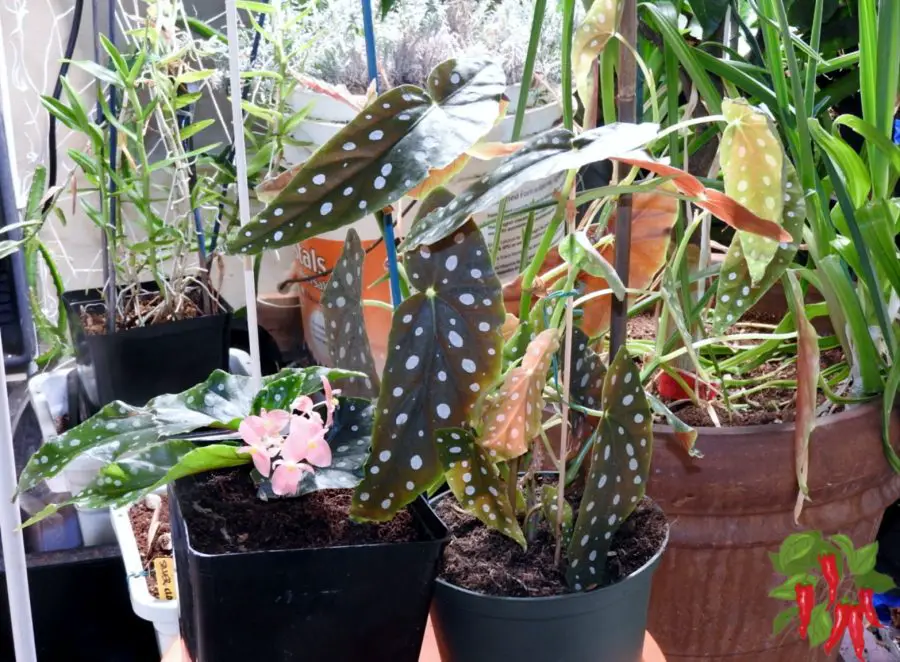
(513,416)
(443,353)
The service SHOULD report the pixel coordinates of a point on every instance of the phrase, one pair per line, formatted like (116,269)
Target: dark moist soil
(140,516)
(224,515)
(93,318)
(486,561)
(777,405)
(643,326)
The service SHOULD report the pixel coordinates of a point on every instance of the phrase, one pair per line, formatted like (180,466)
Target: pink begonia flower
(306,441)
(303,404)
(330,401)
(263,436)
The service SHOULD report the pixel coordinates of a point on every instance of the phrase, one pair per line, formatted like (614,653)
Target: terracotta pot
(733,506)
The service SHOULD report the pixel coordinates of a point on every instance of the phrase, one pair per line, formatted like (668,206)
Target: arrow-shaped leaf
(544,155)
(342,308)
(752,162)
(620,464)
(513,415)
(386,151)
(736,292)
(443,352)
(576,249)
(476,483)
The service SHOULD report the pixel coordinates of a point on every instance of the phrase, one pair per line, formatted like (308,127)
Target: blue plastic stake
(388,230)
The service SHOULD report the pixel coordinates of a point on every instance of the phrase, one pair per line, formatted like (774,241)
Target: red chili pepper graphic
(828,563)
(806,598)
(856,631)
(868,607)
(841,621)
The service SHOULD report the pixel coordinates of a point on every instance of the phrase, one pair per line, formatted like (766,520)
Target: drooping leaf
(807,388)
(350,439)
(550,511)
(595,30)
(513,414)
(653,217)
(544,155)
(386,151)
(588,372)
(342,308)
(681,431)
(668,292)
(752,162)
(620,465)
(222,401)
(736,292)
(720,205)
(576,249)
(475,482)
(443,351)
(280,390)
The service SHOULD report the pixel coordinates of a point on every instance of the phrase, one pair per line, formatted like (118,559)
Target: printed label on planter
(164,571)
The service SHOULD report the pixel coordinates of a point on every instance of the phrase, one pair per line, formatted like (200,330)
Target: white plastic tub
(162,613)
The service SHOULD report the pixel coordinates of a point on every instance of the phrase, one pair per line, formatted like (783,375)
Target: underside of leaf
(387,150)
(476,483)
(620,465)
(513,415)
(342,308)
(443,353)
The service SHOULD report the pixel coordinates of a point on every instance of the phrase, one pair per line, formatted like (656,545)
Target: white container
(162,613)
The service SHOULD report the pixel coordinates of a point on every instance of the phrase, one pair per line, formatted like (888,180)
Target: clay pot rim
(852,413)
(572,597)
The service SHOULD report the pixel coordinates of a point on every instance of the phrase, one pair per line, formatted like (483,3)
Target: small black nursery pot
(335,604)
(604,625)
(139,364)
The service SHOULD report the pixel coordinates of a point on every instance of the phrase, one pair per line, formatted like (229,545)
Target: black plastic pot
(139,364)
(367,603)
(605,625)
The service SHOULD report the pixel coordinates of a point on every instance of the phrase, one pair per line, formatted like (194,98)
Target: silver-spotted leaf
(588,372)
(598,26)
(752,165)
(221,401)
(387,150)
(620,465)
(681,431)
(576,249)
(546,154)
(736,291)
(443,352)
(512,418)
(279,391)
(550,511)
(476,483)
(342,308)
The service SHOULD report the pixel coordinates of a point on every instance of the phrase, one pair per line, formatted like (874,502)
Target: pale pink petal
(329,401)
(303,430)
(252,430)
(318,452)
(262,462)
(303,404)
(287,476)
(275,421)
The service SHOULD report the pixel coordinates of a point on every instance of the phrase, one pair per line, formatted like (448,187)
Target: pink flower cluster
(290,443)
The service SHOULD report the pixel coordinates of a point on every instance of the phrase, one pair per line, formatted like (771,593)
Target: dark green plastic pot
(605,625)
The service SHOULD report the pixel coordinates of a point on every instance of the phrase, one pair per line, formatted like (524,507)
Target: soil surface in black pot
(148,310)
(486,561)
(141,516)
(224,515)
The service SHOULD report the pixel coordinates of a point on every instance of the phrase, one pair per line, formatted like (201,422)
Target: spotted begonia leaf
(222,401)
(736,291)
(349,437)
(681,431)
(752,161)
(668,291)
(598,26)
(620,465)
(718,204)
(443,351)
(513,414)
(386,151)
(544,155)
(280,390)
(475,481)
(550,511)
(342,308)
(130,479)
(117,428)
(588,372)
(653,216)
(576,249)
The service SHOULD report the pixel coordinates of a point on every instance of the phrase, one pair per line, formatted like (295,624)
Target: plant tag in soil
(164,570)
